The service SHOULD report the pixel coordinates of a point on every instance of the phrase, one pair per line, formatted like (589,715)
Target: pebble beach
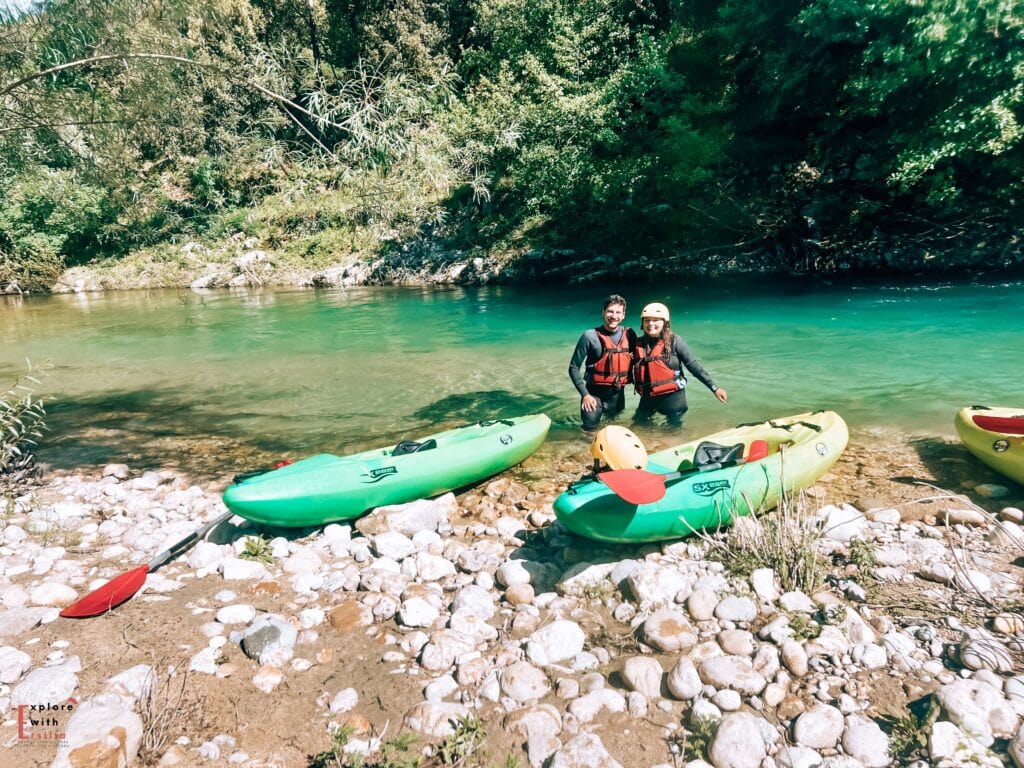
(476,623)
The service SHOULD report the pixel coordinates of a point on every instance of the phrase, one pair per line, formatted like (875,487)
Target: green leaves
(22,423)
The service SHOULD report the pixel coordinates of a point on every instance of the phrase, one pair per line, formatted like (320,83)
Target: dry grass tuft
(785,540)
(171,709)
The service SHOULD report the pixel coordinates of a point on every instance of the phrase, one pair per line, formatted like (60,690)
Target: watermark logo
(44,722)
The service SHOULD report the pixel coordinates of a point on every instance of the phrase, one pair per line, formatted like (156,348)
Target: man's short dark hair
(614,299)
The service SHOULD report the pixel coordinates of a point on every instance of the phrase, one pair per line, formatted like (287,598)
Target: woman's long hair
(666,336)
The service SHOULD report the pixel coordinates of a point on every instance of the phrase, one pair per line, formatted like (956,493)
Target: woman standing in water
(660,359)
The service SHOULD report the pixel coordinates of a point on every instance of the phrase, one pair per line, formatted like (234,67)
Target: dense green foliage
(781,134)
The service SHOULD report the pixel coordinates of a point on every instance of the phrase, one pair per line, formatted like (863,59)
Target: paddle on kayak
(638,486)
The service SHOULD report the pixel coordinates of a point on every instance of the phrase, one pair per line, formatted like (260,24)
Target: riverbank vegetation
(805,135)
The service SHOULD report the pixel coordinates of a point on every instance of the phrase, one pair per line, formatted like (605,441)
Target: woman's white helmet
(656,310)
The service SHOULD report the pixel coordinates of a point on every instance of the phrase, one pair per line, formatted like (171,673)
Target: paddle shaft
(192,538)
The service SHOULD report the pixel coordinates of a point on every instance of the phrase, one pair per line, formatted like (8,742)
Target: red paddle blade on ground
(637,486)
(111,594)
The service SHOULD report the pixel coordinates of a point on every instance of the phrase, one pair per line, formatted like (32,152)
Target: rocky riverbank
(240,261)
(479,626)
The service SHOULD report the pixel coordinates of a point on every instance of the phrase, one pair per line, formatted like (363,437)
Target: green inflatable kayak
(996,436)
(325,488)
(800,449)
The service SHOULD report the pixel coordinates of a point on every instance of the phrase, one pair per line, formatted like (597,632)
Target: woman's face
(653,326)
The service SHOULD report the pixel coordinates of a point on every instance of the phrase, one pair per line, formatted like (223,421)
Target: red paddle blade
(111,594)
(757,451)
(637,486)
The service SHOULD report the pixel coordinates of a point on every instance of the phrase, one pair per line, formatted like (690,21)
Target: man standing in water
(601,364)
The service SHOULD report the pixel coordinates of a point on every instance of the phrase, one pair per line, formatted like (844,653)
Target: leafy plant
(22,423)
(468,738)
(862,554)
(394,753)
(692,743)
(257,548)
(908,731)
(803,627)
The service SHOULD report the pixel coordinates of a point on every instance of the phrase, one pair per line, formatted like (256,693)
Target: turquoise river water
(155,377)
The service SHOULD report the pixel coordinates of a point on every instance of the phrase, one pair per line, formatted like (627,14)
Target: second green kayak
(800,450)
(327,488)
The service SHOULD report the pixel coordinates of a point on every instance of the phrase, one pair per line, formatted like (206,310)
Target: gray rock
(236,569)
(819,728)
(654,584)
(738,742)
(45,685)
(435,718)
(18,621)
(842,523)
(727,701)
(511,573)
(865,741)
(13,664)
(764,582)
(683,681)
(407,519)
(736,609)
(668,630)
(344,701)
(476,600)
(978,709)
(732,672)
(984,653)
(392,544)
(797,757)
(555,642)
(433,567)
(270,638)
(107,733)
(643,674)
(524,682)
(1016,748)
(797,601)
(701,604)
(417,612)
(590,705)
(52,594)
(584,751)
(444,647)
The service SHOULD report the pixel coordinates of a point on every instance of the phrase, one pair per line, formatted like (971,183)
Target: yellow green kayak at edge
(996,436)
(801,449)
(326,488)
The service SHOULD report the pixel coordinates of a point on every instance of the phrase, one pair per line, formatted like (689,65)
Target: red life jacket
(614,367)
(652,374)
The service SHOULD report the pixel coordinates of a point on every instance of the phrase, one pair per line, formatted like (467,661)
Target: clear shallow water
(162,376)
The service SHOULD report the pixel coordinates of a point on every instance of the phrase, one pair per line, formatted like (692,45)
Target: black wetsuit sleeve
(577,364)
(686,358)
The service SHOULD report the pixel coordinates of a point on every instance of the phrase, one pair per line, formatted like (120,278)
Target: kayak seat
(411,446)
(713,453)
(1008,425)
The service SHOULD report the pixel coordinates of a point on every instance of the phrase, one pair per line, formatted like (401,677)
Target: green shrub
(22,423)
